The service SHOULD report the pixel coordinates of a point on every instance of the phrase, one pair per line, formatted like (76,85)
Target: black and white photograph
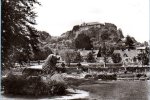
(75,50)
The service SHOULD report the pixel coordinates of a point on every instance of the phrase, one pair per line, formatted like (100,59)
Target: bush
(90,58)
(116,57)
(107,77)
(144,58)
(34,86)
(13,84)
(88,76)
(57,88)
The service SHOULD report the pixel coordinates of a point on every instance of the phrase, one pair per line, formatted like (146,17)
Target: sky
(59,16)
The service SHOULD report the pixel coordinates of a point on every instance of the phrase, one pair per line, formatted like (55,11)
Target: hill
(87,36)
(95,34)
(95,30)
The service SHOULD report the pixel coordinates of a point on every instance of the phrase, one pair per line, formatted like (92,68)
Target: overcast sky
(59,16)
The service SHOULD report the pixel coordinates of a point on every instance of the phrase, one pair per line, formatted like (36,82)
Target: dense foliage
(71,56)
(78,57)
(116,57)
(33,86)
(18,34)
(105,50)
(144,58)
(83,42)
(42,53)
(130,42)
(90,58)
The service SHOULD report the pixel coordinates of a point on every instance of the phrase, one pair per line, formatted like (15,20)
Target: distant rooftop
(90,23)
(140,48)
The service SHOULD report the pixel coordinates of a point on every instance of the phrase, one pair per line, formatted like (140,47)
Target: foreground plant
(34,86)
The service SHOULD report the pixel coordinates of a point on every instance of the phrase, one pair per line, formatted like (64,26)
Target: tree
(76,28)
(105,51)
(93,32)
(44,36)
(78,57)
(99,52)
(134,59)
(109,33)
(83,42)
(71,56)
(67,55)
(17,34)
(90,58)
(144,57)
(105,35)
(145,43)
(68,43)
(116,58)
(129,42)
(43,53)
(147,50)
(120,33)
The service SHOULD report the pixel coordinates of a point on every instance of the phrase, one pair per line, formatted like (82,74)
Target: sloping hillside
(88,36)
(97,32)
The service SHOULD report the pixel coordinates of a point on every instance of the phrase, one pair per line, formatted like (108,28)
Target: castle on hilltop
(86,26)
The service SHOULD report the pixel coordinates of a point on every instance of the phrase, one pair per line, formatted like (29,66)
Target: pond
(119,90)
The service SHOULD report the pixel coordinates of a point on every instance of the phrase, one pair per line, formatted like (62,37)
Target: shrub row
(35,86)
